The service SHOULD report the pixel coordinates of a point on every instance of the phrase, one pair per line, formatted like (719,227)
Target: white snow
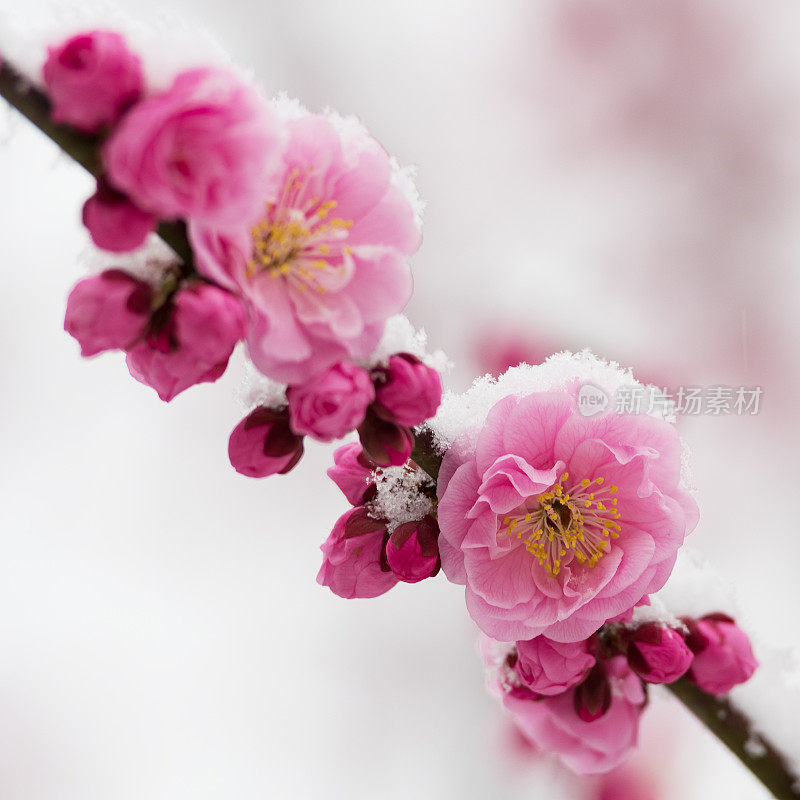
(148,263)
(400,336)
(256,389)
(399,498)
(465,413)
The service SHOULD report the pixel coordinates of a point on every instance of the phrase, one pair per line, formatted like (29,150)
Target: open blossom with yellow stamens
(325,264)
(556,522)
(577,520)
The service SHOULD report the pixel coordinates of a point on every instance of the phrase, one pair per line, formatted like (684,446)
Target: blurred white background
(621,175)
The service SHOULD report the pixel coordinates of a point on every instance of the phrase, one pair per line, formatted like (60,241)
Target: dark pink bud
(387,444)
(114,222)
(263,444)
(108,311)
(352,473)
(592,698)
(193,344)
(91,79)
(408,391)
(413,550)
(657,653)
(331,404)
(723,655)
(353,557)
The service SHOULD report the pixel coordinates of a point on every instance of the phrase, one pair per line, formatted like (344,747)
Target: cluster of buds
(363,557)
(582,700)
(176,334)
(382,405)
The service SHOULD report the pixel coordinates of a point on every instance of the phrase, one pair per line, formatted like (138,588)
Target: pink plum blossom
(354,562)
(263,444)
(323,265)
(556,522)
(658,654)
(109,311)
(330,405)
(91,79)
(408,391)
(587,748)
(412,551)
(192,345)
(723,655)
(114,222)
(548,667)
(205,148)
(353,473)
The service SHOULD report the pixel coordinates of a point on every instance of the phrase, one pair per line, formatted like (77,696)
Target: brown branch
(723,719)
(736,732)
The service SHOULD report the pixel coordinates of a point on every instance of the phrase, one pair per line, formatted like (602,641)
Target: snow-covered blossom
(91,79)
(557,522)
(323,265)
(352,472)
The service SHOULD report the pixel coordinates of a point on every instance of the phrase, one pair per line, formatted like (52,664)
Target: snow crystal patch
(404,178)
(400,498)
(149,263)
(400,336)
(655,612)
(465,413)
(256,389)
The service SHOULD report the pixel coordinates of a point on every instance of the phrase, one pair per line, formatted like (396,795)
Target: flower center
(298,240)
(567,521)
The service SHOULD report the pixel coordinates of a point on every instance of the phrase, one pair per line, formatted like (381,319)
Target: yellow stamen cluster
(565,523)
(297,240)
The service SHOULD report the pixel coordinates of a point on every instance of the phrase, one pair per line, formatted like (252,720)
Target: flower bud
(387,444)
(657,653)
(114,222)
(592,698)
(548,667)
(331,404)
(263,444)
(352,473)
(408,392)
(108,311)
(91,79)
(723,655)
(192,343)
(413,551)
(354,564)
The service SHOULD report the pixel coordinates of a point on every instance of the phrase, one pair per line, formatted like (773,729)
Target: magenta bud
(352,473)
(413,550)
(354,562)
(723,655)
(387,444)
(263,444)
(91,79)
(109,311)
(330,405)
(114,222)
(592,697)
(191,342)
(657,653)
(408,391)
